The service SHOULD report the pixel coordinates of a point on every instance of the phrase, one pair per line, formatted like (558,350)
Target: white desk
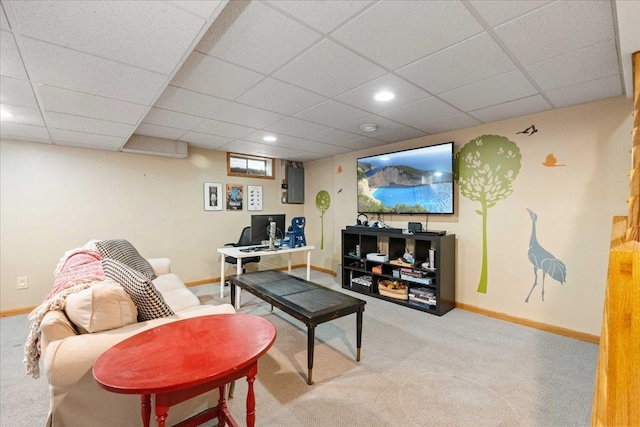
(238,255)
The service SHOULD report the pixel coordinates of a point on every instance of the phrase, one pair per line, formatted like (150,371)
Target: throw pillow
(124,252)
(148,300)
(101,307)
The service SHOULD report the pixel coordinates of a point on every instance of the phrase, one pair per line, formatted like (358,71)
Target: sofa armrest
(55,326)
(160,265)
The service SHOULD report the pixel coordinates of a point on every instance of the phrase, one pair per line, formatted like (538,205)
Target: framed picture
(235,196)
(254,197)
(212,196)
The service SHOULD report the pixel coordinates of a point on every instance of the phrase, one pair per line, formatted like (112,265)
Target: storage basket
(393,289)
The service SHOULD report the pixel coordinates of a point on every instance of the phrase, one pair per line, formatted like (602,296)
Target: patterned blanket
(79,269)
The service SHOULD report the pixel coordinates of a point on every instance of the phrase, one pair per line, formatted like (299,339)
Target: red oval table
(183,359)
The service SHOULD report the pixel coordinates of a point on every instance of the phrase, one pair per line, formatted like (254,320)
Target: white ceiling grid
(223,75)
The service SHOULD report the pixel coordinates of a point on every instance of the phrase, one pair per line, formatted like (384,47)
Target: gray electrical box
(295,185)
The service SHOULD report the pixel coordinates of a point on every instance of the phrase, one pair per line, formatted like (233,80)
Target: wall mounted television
(414,181)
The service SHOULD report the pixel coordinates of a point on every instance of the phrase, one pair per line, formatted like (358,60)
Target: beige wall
(57,198)
(575,205)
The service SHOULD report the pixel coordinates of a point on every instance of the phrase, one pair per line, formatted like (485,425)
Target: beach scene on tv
(411,181)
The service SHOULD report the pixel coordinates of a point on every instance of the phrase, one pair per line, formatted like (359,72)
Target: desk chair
(245,240)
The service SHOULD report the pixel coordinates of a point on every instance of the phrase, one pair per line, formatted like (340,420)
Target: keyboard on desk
(255,249)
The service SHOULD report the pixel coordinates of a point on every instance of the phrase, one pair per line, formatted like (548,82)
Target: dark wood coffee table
(183,359)
(306,301)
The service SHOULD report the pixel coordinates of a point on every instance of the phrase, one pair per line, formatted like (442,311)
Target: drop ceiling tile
(246,116)
(332,113)
(280,97)
(296,127)
(87,105)
(171,119)
(255,36)
(556,29)
(204,140)
(189,102)
(306,157)
(414,37)
(23,115)
(203,9)
(587,64)
(50,65)
(10,130)
(459,121)
(4,24)
(384,125)
(160,131)
(85,124)
(212,76)
(363,96)
(11,64)
(497,12)
(605,87)
(87,139)
(150,35)
(281,140)
(402,134)
(243,147)
(329,69)
(215,127)
(468,62)
(364,143)
(516,108)
(418,113)
(334,136)
(326,149)
(277,152)
(492,91)
(318,15)
(17,92)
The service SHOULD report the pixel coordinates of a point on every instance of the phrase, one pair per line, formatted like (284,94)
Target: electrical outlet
(23,282)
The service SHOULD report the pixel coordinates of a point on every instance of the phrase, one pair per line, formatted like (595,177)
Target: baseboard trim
(16,311)
(594,339)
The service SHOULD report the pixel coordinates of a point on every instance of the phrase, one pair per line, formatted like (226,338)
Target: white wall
(54,199)
(575,205)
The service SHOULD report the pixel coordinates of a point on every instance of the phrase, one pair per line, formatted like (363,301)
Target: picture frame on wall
(213,196)
(254,197)
(235,197)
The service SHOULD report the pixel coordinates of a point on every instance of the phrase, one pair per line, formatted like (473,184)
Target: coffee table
(183,359)
(306,301)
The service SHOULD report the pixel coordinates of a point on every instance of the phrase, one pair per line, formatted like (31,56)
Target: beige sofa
(68,357)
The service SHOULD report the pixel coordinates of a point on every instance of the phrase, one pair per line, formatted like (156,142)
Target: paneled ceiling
(224,76)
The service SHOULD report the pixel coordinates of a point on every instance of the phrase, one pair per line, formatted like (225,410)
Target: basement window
(249,166)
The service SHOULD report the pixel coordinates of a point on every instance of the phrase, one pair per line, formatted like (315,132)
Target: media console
(427,289)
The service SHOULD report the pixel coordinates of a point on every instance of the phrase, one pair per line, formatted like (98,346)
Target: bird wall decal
(551,161)
(529,131)
(543,260)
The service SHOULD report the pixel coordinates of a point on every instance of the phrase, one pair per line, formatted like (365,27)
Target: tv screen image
(418,180)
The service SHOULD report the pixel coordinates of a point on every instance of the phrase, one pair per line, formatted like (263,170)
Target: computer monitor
(260,227)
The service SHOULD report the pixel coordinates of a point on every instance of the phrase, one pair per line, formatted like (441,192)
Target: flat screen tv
(260,227)
(418,180)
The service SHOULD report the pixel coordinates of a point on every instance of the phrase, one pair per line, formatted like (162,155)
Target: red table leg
(145,409)
(251,400)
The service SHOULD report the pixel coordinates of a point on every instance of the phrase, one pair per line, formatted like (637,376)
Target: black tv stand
(431,232)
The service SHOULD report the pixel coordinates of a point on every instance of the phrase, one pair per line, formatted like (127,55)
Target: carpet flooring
(416,369)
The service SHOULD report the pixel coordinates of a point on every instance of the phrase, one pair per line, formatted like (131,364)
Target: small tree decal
(323,200)
(484,169)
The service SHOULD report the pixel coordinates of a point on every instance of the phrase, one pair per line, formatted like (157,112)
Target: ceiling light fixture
(4,114)
(269,138)
(369,127)
(384,96)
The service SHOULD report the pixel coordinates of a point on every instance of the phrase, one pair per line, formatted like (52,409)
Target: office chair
(245,240)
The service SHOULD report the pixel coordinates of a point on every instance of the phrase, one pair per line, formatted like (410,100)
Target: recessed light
(384,96)
(4,114)
(369,127)
(269,138)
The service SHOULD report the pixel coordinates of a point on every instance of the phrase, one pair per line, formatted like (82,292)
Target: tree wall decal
(323,201)
(485,169)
